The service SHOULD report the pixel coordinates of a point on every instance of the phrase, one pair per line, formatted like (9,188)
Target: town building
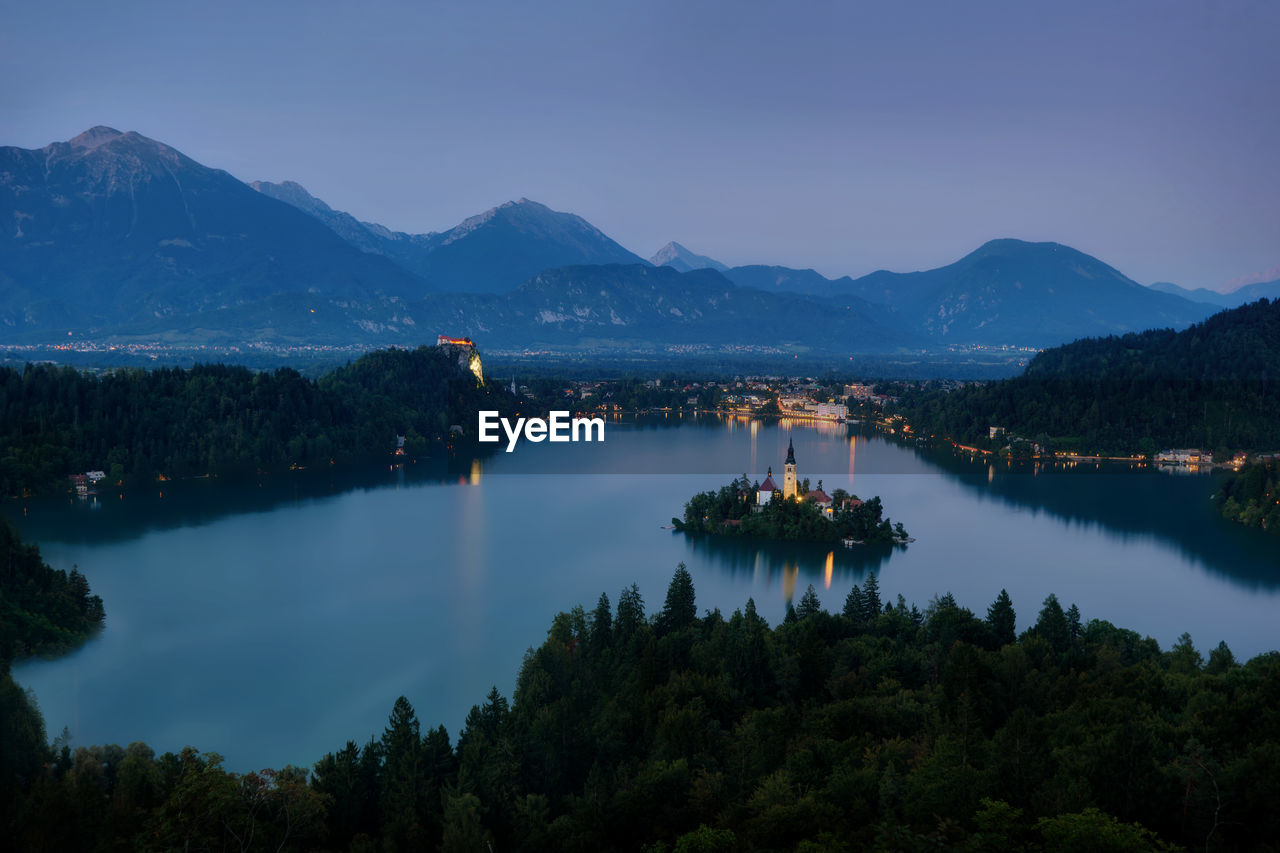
(764,494)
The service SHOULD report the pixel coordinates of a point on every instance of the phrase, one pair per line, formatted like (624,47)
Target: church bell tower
(789,472)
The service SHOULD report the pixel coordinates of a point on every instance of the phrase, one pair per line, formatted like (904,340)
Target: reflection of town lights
(475,472)
(826,575)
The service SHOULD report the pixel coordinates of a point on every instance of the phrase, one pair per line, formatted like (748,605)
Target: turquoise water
(272,622)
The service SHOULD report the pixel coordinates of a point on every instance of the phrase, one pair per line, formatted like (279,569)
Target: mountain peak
(524,215)
(292,193)
(678,257)
(95,136)
(521,205)
(1009,244)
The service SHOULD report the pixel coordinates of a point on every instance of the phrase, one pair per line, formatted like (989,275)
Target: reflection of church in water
(765,492)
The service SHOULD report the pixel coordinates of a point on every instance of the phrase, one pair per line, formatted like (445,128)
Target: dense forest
(731,511)
(43,611)
(877,726)
(1250,497)
(1211,386)
(139,425)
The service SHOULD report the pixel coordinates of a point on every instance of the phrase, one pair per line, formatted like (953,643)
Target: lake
(273,622)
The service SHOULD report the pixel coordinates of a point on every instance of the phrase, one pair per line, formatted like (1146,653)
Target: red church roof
(768,485)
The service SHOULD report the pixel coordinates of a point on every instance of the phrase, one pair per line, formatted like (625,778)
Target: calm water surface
(273,623)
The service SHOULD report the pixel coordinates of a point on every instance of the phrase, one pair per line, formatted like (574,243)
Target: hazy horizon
(807,134)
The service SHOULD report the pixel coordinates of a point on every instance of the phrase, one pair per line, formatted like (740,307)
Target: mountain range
(114,236)
(489,253)
(1232,299)
(114,228)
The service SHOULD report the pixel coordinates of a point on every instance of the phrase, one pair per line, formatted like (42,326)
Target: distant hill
(629,305)
(109,228)
(502,247)
(229,421)
(1239,344)
(1212,386)
(679,258)
(788,280)
(490,253)
(1240,296)
(1011,291)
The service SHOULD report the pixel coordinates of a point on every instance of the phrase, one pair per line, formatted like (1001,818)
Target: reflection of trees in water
(1136,502)
(114,516)
(788,560)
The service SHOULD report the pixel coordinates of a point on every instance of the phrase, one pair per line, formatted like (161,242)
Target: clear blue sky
(840,135)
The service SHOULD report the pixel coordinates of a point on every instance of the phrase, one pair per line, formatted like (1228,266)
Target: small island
(793,512)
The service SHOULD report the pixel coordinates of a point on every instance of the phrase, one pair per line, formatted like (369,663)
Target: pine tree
(680,609)
(871,594)
(855,606)
(1074,629)
(1002,619)
(601,624)
(630,612)
(1052,624)
(809,603)
(402,802)
(1183,657)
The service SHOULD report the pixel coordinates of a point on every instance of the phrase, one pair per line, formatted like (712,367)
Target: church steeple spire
(789,472)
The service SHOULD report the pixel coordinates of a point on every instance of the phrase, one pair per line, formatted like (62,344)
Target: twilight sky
(845,136)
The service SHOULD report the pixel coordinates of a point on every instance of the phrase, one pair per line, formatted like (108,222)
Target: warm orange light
(790,571)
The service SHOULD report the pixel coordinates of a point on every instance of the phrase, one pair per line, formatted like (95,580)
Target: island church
(790,489)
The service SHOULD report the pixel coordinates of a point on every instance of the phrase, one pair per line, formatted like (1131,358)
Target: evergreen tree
(871,597)
(1220,660)
(630,612)
(1074,628)
(601,625)
(1002,619)
(337,776)
(1052,624)
(1183,657)
(402,802)
(680,609)
(809,603)
(855,606)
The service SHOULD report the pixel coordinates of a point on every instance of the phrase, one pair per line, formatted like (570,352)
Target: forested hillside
(1250,497)
(878,726)
(42,611)
(1212,386)
(138,425)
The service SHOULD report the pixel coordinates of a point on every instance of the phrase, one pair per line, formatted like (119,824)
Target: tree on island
(734,510)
